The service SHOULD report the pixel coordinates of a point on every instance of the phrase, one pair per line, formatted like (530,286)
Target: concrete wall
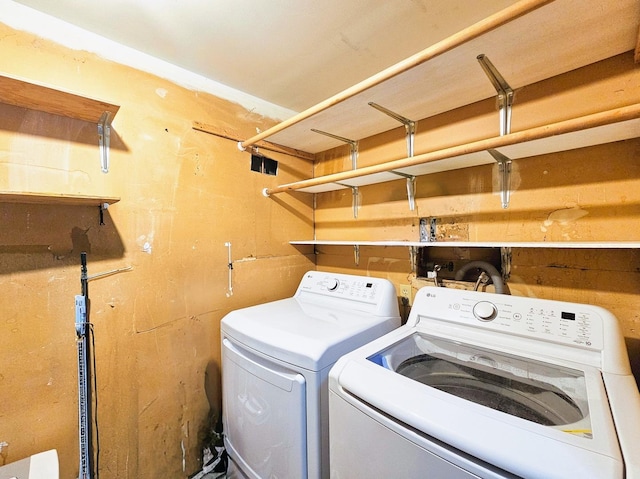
(183,194)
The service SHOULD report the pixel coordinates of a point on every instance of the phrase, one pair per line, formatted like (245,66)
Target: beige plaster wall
(184,194)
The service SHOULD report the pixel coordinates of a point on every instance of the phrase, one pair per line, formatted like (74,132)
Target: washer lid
(586,448)
(543,393)
(306,335)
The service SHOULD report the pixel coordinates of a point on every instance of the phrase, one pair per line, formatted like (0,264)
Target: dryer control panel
(349,291)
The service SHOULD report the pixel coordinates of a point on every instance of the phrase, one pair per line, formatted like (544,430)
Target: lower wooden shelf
(481,244)
(55,198)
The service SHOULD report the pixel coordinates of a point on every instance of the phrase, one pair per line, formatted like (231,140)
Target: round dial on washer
(485,311)
(333,284)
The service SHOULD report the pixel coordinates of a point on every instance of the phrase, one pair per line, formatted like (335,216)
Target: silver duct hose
(496,277)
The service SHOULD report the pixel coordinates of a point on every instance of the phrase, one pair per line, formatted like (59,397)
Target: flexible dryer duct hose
(491,270)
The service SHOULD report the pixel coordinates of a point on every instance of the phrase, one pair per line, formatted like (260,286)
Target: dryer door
(263,414)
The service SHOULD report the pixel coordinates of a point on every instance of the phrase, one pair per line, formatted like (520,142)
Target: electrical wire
(94,385)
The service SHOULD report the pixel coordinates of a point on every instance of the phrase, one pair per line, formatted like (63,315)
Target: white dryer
(490,386)
(275,363)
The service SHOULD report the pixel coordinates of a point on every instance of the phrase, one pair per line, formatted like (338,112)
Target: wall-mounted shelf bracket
(504,170)
(352,143)
(355,202)
(409,125)
(428,230)
(410,128)
(411,188)
(506,257)
(103,207)
(356,254)
(230,269)
(104,139)
(505,93)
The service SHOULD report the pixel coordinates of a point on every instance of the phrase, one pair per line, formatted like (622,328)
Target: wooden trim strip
(265,145)
(567,126)
(480,28)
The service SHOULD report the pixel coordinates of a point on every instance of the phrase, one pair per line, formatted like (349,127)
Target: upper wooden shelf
(531,41)
(55,199)
(599,128)
(480,244)
(26,94)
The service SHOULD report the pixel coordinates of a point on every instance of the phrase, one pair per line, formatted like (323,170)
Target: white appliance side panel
(264,416)
(362,447)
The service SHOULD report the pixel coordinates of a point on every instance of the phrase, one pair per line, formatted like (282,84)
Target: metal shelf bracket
(356,254)
(104,139)
(504,170)
(409,125)
(352,143)
(505,93)
(505,103)
(355,198)
(410,128)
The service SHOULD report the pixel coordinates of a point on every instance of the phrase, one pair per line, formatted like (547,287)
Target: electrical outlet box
(405,292)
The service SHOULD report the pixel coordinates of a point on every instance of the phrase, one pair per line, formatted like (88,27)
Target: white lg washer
(275,363)
(490,386)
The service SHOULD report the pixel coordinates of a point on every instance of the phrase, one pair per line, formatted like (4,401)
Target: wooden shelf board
(26,94)
(578,36)
(618,131)
(55,199)
(481,244)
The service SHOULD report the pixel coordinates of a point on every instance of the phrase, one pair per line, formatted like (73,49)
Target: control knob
(332,284)
(485,311)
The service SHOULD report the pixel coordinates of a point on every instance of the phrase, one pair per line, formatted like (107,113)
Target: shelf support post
(356,254)
(104,139)
(504,170)
(352,143)
(410,129)
(505,93)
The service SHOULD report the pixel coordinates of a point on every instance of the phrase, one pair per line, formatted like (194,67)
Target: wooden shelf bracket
(410,128)
(104,139)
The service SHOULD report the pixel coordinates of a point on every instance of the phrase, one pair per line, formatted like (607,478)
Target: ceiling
(291,53)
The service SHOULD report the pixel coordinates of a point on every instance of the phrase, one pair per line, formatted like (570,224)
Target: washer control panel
(555,321)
